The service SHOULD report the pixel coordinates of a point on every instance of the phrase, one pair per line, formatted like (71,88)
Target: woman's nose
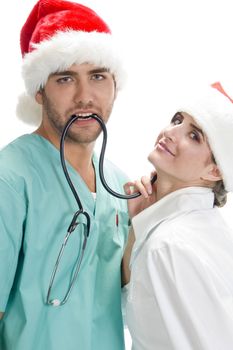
(170,133)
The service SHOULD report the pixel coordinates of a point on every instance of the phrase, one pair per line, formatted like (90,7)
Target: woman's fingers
(143,186)
(129,187)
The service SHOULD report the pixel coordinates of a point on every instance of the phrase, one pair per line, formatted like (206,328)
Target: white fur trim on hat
(62,51)
(66,48)
(213,111)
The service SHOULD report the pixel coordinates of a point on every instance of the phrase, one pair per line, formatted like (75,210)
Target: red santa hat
(56,35)
(213,111)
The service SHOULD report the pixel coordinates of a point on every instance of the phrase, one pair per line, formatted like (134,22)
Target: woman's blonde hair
(220,194)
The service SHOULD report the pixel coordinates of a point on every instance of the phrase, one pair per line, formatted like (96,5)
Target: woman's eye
(195,136)
(177,119)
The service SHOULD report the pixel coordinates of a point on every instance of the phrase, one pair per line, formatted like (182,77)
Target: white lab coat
(180,296)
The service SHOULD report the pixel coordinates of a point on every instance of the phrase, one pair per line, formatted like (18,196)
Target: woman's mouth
(162,145)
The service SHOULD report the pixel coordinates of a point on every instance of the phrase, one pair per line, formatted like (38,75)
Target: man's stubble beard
(58,125)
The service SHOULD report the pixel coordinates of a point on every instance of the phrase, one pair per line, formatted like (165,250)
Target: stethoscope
(81,212)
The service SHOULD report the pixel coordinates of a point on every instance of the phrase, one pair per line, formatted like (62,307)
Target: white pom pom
(28,110)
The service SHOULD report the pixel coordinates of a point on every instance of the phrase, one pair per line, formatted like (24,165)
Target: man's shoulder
(15,145)
(114,170)
(18,155)
(23,147)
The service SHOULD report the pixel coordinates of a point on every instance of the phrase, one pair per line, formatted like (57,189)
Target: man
(69,68)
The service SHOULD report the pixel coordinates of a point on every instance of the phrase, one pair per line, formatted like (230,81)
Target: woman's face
(182,152)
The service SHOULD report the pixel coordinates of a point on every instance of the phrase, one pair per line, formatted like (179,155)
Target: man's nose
(83,93)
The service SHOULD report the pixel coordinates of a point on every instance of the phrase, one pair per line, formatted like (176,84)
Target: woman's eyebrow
(198,129)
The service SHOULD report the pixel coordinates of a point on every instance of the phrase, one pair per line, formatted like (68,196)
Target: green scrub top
(36,208)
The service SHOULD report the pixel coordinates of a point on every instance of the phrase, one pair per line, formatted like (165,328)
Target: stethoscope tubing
(101,160)
(80,211)
(63,162)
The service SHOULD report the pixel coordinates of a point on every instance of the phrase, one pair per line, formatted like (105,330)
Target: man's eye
(64,80)
(97,77)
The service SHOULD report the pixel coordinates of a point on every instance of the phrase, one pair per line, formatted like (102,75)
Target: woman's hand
(148,194)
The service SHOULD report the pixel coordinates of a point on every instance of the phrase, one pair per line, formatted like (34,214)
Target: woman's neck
(166,184)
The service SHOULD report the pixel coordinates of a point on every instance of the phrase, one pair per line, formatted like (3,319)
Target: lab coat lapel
(169,207)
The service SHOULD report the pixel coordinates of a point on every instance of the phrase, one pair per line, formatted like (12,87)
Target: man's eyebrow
(199,130)
(73,73)
(67,72)
(99,70)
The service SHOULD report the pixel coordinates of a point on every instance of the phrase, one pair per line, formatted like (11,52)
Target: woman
(180,295)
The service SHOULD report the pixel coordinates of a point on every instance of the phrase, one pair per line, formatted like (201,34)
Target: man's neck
(78,155)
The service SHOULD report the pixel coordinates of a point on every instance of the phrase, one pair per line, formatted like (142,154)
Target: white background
(167,45)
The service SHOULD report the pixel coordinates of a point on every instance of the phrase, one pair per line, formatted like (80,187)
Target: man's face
(81,90)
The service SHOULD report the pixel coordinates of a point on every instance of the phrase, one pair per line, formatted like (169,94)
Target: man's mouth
(84,115)
(84,118)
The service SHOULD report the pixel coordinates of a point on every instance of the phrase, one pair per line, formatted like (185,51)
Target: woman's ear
(212,173)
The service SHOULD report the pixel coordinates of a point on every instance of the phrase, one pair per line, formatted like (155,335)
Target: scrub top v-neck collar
(88,200)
